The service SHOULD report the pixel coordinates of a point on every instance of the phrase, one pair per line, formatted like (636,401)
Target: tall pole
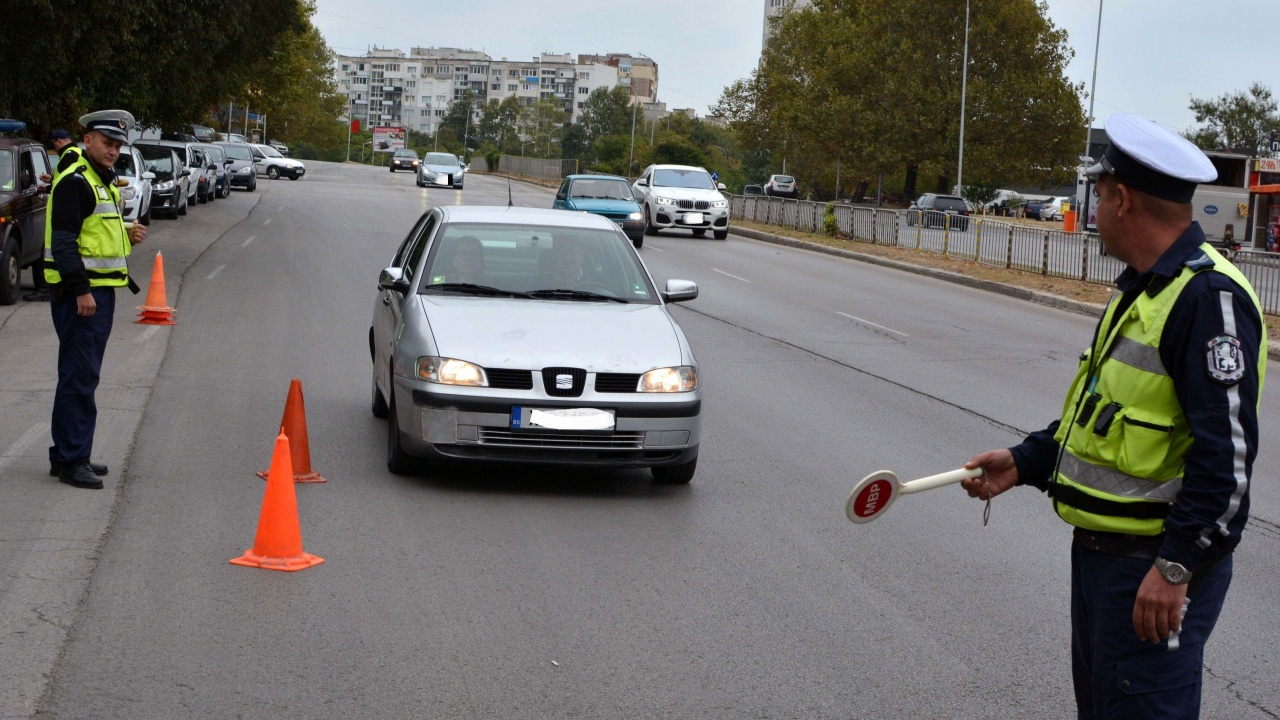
(246,121)
(964,81)
(231,111)
(348,135)
(1088,125)
(631,160)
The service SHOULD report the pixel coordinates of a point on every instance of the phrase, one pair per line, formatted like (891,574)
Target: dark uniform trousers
(1117,676)
(82,341)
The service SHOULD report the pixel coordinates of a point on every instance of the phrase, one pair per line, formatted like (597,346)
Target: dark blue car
(606,195)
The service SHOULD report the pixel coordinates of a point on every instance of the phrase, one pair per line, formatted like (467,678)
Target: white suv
(680,196)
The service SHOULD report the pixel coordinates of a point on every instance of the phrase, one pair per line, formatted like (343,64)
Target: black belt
(1144,547)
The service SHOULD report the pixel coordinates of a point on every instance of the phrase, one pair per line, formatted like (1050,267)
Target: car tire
(699,232)
(649,228)
(146,219)
(720,234)
(638,242)
(293,177)
(253,186)
(391,169)
(182,210)
(10,272)
(674,474)
(273,172)
(398,461)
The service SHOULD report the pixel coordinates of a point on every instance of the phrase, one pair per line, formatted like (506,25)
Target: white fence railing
(990,242)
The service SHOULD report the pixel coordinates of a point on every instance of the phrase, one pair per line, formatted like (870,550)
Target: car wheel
(293,177)
(391,169)
(273,172)
(380,409)
(649,228)
(675,474)
(182,210)
(9,273)
(699,232)
(638,242)
(146,219)
(398,461)
(253,186)
(720,234)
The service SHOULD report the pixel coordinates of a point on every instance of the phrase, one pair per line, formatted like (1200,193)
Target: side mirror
(228,162)
(186,172)
(720,186)
(392,278)
(148,175)
(642,182)
(680,291)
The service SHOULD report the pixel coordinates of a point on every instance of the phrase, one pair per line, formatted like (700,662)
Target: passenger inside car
(464,261)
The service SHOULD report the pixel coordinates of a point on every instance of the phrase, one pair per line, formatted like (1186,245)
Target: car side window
(563,192)
(419,247)
(403,251)
(30,176)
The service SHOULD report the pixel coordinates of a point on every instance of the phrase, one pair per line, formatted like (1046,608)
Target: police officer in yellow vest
(1152,456)
(86,243)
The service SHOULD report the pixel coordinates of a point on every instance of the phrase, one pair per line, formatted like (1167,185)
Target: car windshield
(269,151)
(124,165)
(6,171)
(158,160)
(601,189)
(538,262)
(440,159)
(696,179)
(238,152)
(215,154)
(407,154)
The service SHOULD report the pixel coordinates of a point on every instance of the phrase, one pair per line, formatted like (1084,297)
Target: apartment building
(774,8)
(389,87)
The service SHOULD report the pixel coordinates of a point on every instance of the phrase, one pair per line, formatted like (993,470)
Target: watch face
(1173,572)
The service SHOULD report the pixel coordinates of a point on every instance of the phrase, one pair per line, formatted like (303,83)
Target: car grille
(577,381)
(509,379)
(616,382)
(602,441)
(691,205)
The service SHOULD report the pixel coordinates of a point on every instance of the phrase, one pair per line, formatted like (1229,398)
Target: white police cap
(1153,159)
(114,124)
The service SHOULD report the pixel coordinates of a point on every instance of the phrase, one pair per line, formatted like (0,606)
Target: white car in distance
(684,197)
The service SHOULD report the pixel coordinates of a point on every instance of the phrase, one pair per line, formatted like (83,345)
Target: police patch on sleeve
(1225,361)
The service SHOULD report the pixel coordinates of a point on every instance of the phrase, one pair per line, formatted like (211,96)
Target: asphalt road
(493,591)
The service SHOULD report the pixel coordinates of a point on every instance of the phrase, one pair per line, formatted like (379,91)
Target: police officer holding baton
(86,245)
(1153,453)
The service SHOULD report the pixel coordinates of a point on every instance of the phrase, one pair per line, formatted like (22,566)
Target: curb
(1076,306)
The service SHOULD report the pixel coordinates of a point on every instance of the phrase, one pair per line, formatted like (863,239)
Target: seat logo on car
(564,382)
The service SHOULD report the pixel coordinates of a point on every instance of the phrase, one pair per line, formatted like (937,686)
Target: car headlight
(719,204)
(664,201)
(165,185)
(669,380)
(128,193)
(448,371)
(245,170)
(636,216)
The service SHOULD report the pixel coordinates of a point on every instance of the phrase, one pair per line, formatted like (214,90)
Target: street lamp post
(1088,125)
(632,158)
(964,81)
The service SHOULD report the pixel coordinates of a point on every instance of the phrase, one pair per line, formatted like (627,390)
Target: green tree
(606,111)
(457,119)
(542,124)
(1240,121)
(875,86)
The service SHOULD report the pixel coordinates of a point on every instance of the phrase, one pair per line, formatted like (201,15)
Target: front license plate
(561,418)
(441,180)
(693,218)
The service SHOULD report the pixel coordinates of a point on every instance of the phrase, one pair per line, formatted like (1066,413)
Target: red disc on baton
(871,497)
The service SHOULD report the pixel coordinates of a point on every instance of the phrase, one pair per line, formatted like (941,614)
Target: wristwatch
(1173,573)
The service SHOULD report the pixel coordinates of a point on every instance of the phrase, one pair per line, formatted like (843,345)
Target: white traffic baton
(876,492)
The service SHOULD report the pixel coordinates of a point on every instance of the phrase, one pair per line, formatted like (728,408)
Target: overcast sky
(1155,54)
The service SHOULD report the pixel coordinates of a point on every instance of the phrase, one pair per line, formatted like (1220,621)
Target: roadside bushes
(829,224)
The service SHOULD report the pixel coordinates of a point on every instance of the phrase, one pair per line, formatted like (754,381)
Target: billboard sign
(387,139)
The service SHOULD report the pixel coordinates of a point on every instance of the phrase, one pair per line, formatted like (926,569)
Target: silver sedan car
(531,335)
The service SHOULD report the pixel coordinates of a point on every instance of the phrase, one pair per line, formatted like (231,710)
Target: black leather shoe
(96,468)
(38,296)
(79,475)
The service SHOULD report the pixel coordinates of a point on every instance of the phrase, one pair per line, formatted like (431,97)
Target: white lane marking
(18,447)
(735,277)
(146,334)
(868,323)
(655,247)
(246,242)
(214,274)
(267,221)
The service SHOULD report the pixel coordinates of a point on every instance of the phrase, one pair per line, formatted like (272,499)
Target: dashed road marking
(868,323)
(246,242)
(214,274)
(267,221)
(735,277)
(146,334)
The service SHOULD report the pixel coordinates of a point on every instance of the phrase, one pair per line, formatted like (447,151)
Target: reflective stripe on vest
(103,241)
(1124,450)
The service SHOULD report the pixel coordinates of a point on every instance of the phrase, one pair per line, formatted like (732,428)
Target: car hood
(446,169)
(533,334)
(595,205)
(686,193)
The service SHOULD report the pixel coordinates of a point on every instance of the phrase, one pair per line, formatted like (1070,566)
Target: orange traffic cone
(294,424)
(278,544)
(156,311)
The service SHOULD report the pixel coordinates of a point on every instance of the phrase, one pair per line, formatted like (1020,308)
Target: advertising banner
(387,139)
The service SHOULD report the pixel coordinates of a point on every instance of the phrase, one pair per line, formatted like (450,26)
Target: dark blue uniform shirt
(1210,511)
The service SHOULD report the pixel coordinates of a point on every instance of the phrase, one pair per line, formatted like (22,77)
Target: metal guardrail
(547,170)
(995,243)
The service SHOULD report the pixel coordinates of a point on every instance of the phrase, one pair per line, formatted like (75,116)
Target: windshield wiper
(562,293)
(473,289)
